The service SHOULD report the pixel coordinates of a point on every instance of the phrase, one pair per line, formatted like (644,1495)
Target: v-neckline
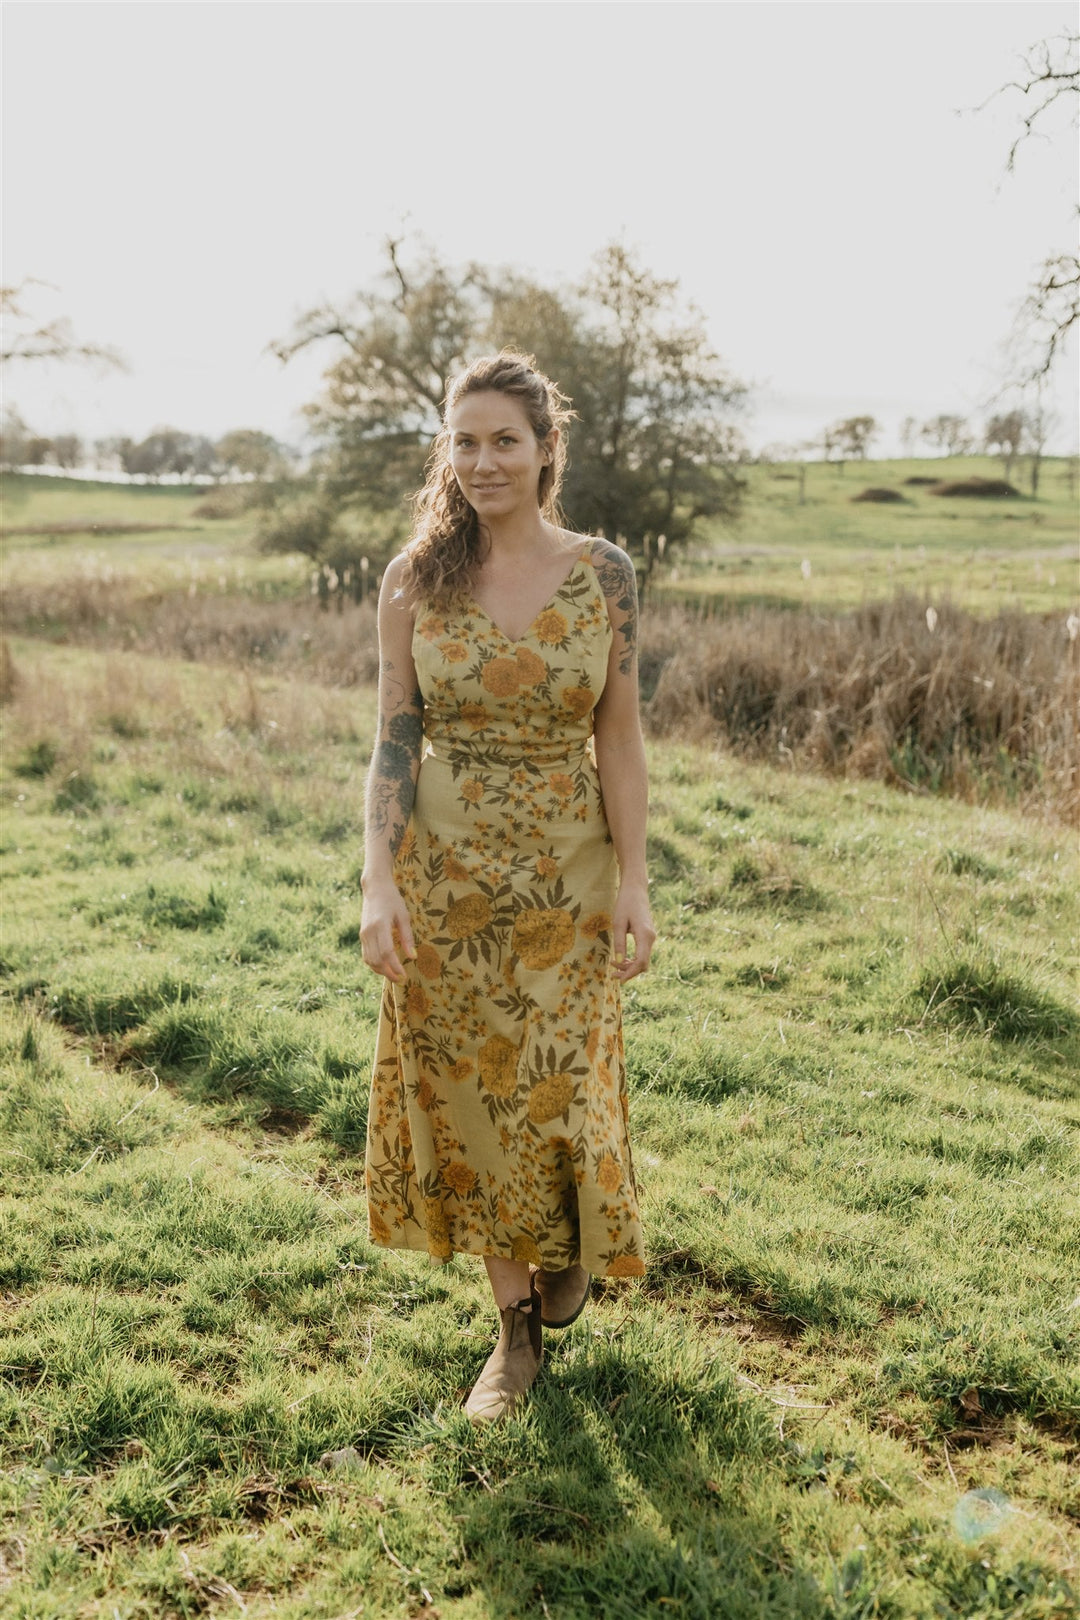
(515,641)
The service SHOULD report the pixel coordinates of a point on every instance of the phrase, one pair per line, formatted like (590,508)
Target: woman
(504,873)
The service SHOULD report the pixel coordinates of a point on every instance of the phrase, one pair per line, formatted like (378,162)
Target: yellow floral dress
(498,1117)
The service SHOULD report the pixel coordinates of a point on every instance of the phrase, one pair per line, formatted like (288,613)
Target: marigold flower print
(551,628)
(417,1004)
(498,1066)
(626,1265)
(542,938)
(498,1117)
(551,1097)
(531,669)
(428,960)
(460,1177)
(468,915)
(525,1248)
(578,699)
(608,1174)
(438,1228)
(501,677)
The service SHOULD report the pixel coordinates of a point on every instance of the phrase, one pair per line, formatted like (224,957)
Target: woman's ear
(549,445)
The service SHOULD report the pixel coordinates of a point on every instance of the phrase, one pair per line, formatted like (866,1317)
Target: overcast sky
(191,177)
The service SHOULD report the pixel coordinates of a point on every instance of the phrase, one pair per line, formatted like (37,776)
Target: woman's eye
(507,439)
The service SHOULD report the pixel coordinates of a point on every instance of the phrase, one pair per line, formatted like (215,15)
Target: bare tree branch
(55,340)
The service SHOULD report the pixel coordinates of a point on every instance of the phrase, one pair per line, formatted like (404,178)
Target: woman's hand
(385,930)
(632,916)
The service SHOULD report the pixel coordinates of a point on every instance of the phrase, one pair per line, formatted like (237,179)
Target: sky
(190,178)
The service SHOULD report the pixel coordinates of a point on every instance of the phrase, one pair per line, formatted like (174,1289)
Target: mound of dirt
(985,488)
(919,478)
(879,494)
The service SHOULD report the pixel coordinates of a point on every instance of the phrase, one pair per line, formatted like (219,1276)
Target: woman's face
(495,454)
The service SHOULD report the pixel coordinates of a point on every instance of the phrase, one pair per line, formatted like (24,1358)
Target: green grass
(831,552)
(983,554)
(854,1112)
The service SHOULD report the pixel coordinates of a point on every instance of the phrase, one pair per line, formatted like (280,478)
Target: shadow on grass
(621,1493)
(976,993)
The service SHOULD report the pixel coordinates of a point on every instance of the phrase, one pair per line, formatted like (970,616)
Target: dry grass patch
(922,697)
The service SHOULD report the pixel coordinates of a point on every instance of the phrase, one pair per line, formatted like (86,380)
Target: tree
(1005,433)
(252,452)
(1051,308)
(947,433)
(54,340)
(25,340)
(909,432)
(852,435)
(651,452)
(15,436)
(169,450)
(1040,420)
(67,450)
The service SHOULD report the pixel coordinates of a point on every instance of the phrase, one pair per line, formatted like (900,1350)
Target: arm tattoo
(394,766)
(618,582)
(395,691)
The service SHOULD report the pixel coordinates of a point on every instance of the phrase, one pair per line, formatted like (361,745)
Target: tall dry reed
(293,635)
(913,693)
(920,694)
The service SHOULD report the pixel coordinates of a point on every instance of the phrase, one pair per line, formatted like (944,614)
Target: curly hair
(444,551)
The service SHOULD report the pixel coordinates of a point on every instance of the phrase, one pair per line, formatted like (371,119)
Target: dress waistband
(541,758)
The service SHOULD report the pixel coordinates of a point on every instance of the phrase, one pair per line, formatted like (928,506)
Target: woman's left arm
(620,760)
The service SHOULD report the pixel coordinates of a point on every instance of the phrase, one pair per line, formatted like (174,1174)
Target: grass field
(849,1384)
(980,554)
(833,552)
(854,1110)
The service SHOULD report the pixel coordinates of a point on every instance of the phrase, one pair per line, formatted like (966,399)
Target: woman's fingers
(629,963)
(381,941)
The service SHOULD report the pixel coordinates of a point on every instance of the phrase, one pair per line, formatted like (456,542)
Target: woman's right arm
(391,783)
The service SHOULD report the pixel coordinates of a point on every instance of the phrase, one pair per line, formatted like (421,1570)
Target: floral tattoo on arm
(618,582)
(392,787)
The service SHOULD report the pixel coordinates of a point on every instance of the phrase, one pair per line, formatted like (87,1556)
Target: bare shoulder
(392,592)
(615,571)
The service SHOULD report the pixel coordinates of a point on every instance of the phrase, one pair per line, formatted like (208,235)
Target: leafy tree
(67,450)
(852,436)
(651,454)
(947,433)
(250,451)
(1005,434)
(654,452)
(170,450)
